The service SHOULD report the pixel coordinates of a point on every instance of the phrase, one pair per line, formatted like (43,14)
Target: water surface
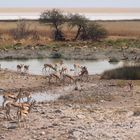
(36,65)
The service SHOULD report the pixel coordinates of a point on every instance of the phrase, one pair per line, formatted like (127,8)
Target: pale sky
(70,3)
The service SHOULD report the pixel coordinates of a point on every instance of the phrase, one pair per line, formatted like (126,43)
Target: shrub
(126,72)
(21,31)
(113,60)
(96,32)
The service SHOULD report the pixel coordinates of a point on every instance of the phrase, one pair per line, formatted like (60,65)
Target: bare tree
(21,30)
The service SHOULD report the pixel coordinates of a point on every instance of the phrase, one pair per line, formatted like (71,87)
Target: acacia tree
(79,21)
(56,18)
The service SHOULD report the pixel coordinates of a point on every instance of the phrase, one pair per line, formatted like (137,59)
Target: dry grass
(116,29)
(122,28)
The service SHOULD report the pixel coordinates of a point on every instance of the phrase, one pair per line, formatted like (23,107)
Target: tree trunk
(78,32)
(84,34)
(56,31)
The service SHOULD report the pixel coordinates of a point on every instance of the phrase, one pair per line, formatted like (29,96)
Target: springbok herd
(58,72)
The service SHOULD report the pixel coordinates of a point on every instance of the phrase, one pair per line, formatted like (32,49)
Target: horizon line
(71,9)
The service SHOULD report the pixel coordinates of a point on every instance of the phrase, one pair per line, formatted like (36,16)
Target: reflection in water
(39,97)
(36,65)
(50,95)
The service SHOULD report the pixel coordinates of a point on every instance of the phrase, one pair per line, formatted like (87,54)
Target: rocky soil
(84,52)
(98,109)
(11,80)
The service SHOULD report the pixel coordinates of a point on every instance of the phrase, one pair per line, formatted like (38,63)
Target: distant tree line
(85,29)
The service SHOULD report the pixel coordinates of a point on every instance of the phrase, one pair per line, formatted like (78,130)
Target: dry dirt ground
(11,80)
(98,110)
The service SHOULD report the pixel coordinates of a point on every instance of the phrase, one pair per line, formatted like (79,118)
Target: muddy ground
(98,110)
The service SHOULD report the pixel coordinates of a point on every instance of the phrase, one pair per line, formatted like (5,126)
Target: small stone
(72,119)
(55,124)
(58,111)
(69,105)
(34,136)
(76,88)
(101,101)
(80,116)
(42,112)
(77,134)
(42,133)
(130,113)
(2,137)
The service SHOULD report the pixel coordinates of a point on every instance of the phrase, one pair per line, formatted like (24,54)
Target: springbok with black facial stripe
(19,67)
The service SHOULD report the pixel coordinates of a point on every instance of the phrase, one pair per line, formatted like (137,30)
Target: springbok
(15,98)
(57,76)
(77,69)
(65,75)
(19,67)
(65,69)
(8,97)
(19,106)
(69,77)
(84,73)
(26,68)
(49,66)
(131,87)
(23,94)
(123,48)
(25,110)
